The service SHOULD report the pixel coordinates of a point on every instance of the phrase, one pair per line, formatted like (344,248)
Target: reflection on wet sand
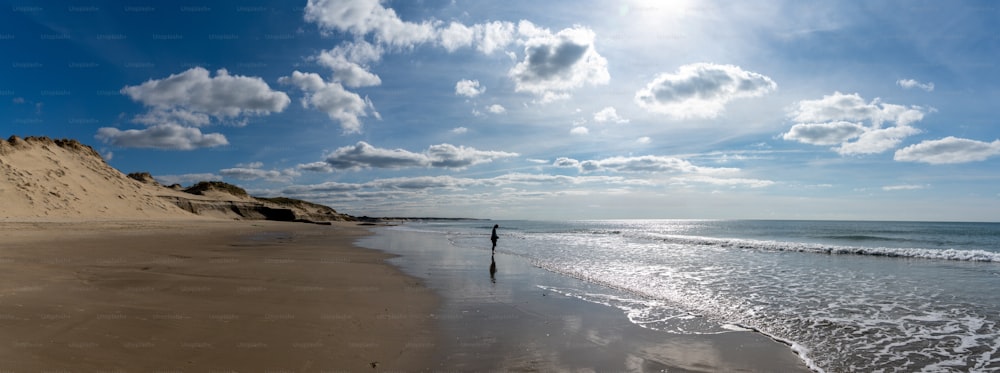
(493,269)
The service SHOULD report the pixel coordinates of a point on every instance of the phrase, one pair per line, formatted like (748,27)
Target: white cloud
(459,130)
(496,109)
(651,163)
(684,171)
(175,116)
(831,133)
(468,88)
(493,36)
(891,188)
(609,114)
(644,140)
(646,163)
(349,63)
(566,162)
(253,171)
(732,182)
(948,150)
(362,155)
(331,98)
(221,96)
(161,136)
(853,108)
(579,130)
(450,156)
(190,99)
(911,83)
(840,119)
(556,63)
(450,182)
(361,17)
(701,90)
(315,167)
(456,36)
(874,141)
(485,37)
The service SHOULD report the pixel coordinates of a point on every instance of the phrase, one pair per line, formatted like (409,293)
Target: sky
(848,110)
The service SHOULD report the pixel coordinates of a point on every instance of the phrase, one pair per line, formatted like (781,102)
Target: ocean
(844,295)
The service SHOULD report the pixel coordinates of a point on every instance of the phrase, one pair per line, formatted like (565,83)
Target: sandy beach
(259,296)
(205,296)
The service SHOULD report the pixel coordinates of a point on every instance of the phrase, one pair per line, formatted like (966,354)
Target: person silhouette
(494,236)
(493,269)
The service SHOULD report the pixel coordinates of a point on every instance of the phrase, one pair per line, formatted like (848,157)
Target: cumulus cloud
(831,133)
(493,36)
(331,98)
(253,171)
(948,150)
(566,162)
(485,37)
(349,63)
(362,17)
(874,141)
(911,83)
(556,63)
(459,130)
(851,107)
(363,155)
(180,102)
(468,88)
(456,36)
(858,126)
(644,140)
(701,90)
(161,136)
(496,109)
(609,114)
(553,64)
(579,130)
(221,96)
(450,156)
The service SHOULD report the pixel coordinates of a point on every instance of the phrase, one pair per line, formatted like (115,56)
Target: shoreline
(499,312)
(203,295)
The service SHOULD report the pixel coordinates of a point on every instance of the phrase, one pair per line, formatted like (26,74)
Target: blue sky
(527,109)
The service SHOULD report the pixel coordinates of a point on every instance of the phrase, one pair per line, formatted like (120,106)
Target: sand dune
(64,179)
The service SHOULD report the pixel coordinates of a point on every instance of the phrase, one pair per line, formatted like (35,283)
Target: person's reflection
(493,269)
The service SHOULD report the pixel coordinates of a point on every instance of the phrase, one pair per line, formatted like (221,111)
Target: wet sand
(497,315)
(205,296)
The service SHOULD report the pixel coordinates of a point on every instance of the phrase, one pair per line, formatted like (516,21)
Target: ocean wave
(889,252)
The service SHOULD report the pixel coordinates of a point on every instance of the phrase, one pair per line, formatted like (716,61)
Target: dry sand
(44,178)
(205,296)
